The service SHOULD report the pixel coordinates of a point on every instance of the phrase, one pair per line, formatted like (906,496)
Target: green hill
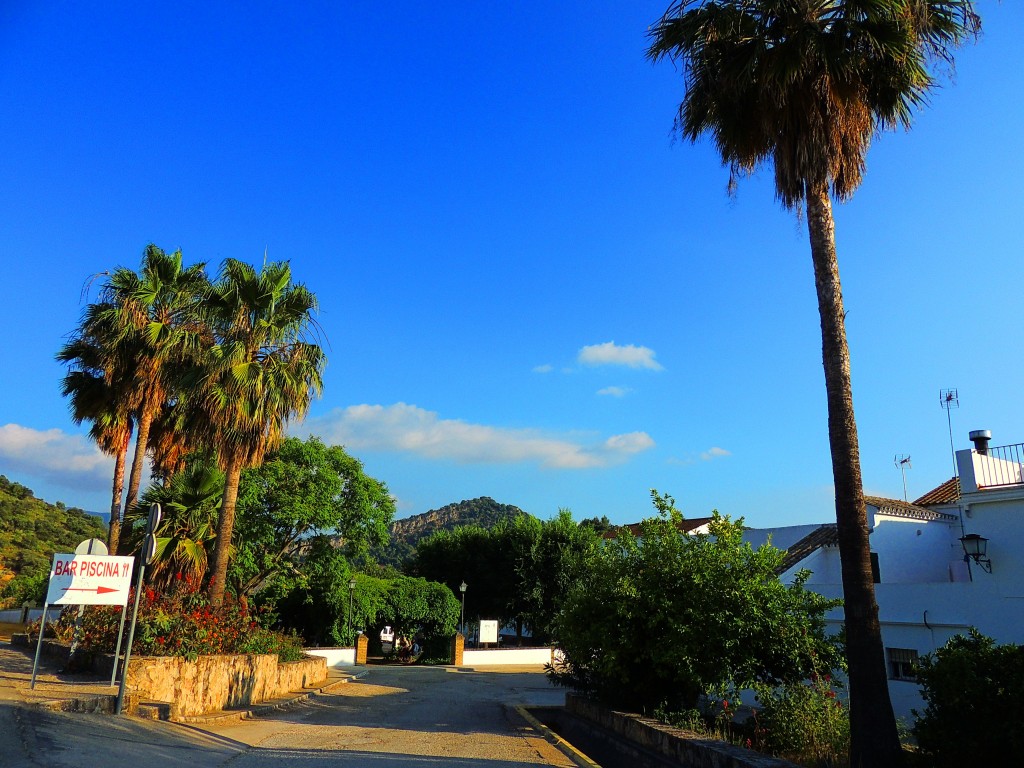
(31,531)
(406,533)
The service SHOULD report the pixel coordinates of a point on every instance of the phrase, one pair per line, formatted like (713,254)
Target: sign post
(147,554)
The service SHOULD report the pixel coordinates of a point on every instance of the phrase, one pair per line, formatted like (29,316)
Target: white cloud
(709,455)
(610,353)
(410,429)
(546,368)
(70,460)
(714,453)
(614,391)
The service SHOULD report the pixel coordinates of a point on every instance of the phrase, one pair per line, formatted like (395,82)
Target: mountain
(406,533)
(31,531)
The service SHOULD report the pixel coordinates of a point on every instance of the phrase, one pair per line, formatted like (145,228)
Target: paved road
(395,717)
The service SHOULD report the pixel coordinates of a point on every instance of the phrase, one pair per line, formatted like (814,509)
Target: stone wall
(686,748)
(212,683)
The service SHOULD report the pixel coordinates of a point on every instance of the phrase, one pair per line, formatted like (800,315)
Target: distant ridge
(31,531)
(406,533)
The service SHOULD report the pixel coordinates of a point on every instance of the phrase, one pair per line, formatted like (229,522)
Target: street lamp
(462,624)
(351,593)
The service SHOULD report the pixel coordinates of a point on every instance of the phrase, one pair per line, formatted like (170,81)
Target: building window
(876,574)
(902,663)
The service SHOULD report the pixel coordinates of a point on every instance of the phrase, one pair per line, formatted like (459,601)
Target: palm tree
(805,85)
(261,373)
(96,387)
(154,311)
(187,530)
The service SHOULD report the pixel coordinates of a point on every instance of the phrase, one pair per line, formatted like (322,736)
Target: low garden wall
(509,656)
(334,657)
(212,683)
(684,747)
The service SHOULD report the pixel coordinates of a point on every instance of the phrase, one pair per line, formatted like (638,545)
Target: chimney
(980,438)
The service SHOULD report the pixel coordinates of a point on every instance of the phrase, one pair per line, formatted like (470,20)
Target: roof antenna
(949,400)
(903,462)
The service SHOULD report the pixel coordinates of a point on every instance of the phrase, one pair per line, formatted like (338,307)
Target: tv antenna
(903,463)
(949,399)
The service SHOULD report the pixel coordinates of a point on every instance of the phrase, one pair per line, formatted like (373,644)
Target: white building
(927,589)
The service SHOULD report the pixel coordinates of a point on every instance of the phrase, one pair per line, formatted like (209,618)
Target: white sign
(89,580)
(488,630)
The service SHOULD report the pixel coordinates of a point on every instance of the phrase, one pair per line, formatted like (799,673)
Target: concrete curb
(554,739)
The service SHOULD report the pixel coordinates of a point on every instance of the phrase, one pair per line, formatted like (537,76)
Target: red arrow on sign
(97,590)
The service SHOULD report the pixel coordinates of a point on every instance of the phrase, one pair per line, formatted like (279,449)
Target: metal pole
(39,645)
(120,637)
(350,591)
(131,638)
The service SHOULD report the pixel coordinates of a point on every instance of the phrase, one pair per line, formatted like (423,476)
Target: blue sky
(531,290)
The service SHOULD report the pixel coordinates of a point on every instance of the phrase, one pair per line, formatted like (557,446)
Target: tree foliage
(304,490)
(515,572)
(667,617)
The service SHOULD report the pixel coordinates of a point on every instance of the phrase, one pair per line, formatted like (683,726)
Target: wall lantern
(976,547)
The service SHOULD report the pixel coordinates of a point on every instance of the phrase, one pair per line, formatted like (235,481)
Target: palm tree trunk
(114,534)
(139,460)
(225,529)
(873,738)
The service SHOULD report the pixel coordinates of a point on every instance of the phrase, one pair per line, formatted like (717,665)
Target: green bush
(974,709)
(666,618)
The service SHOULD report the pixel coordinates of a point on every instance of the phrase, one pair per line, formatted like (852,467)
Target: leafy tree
(560,557)
(971,688)
(805,85)
(472,555)
(260,373)
(667,617)
(305,489)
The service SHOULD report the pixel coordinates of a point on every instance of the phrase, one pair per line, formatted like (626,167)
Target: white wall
(915,551)
(505,656)
(336,657)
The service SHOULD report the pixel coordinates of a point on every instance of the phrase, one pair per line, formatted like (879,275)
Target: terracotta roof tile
(823,536)
(947,493)
(905,509)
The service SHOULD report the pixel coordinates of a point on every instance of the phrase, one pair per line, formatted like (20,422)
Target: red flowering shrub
(179,623)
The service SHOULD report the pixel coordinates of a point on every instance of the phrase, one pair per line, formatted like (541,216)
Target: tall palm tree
(97,390)
(805,85)
(154,310)
(261,373)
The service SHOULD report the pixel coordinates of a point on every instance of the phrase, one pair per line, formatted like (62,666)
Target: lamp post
(351,593)
(462,623)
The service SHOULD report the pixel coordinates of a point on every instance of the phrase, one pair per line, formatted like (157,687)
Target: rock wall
(684,747)
(212,683)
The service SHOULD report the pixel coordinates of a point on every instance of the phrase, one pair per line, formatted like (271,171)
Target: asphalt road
(394,717)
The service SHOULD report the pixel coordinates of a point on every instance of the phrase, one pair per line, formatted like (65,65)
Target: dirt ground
(6,630)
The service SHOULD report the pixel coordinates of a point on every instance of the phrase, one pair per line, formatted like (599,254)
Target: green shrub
(804,722)
(974,709)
